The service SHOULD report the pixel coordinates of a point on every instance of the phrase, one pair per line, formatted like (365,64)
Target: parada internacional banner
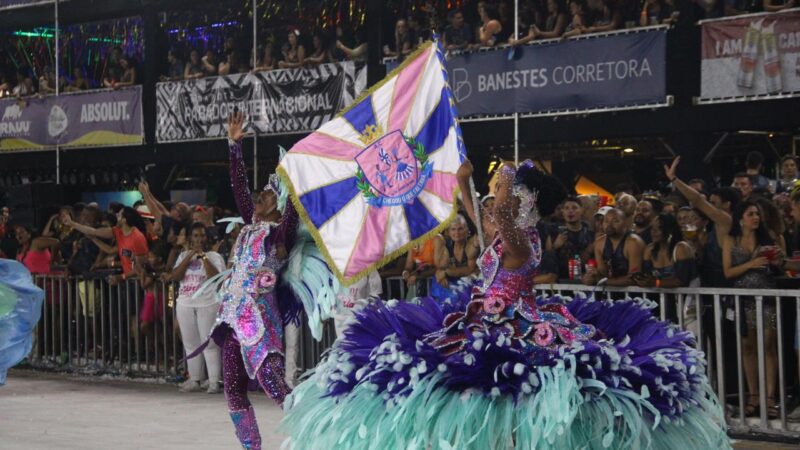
(274,102)
(86,119)
(611,71)
(753,56)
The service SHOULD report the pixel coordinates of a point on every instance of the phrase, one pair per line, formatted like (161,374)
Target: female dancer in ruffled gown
(503,369)
(20,310)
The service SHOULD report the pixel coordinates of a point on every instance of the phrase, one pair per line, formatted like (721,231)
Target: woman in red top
(35,253)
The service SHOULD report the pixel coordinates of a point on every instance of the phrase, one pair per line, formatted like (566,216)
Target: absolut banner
(87,119)
(749,57)
(274,102)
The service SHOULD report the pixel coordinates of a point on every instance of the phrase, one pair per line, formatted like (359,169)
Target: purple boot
(246,428)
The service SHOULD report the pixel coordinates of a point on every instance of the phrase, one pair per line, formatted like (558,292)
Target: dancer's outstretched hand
(235,121)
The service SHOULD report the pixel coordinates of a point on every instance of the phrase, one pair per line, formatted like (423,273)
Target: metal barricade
(91,327)
(722,321)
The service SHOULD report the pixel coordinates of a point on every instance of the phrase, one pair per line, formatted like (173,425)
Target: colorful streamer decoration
(380,177)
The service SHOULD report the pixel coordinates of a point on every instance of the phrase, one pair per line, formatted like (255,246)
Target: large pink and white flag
(380,177)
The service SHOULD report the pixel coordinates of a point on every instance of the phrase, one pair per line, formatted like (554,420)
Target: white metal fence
(91,327)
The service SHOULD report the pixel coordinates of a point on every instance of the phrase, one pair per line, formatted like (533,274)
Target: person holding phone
(196,314)
(575,237)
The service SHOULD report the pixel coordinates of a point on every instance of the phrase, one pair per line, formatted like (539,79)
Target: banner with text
(274,102)
(609,71)
(6,4)
(87,119)
(757,55)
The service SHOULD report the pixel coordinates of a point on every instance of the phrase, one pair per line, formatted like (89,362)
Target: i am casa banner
(87,119)
(753,56)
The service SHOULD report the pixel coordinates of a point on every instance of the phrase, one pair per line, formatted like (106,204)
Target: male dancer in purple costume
(253,346)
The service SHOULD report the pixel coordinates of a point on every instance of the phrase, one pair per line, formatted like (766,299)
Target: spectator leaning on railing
(294,53)
(78,81)
(194,68)
(129,235)
(457,35)
(578,19)
(456,256)
(554,26)
(320,53)
(403,42)
(209,63)
(267,61)
(176,67)
(618,253)
(491,28)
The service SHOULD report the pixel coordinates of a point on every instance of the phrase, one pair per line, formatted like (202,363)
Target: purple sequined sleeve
(286,231)
(239,182)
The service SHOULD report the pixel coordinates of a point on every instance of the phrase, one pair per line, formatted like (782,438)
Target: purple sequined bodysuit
(249,305)
(505,303)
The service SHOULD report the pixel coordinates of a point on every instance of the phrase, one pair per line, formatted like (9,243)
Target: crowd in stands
(294,50)
(119,71)
(479,24)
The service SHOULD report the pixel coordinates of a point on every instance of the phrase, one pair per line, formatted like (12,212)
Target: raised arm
(463,176)
(104,233)
(156,208)
(718,216)
(239,181)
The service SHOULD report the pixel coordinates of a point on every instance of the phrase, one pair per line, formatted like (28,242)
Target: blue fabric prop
(20,310)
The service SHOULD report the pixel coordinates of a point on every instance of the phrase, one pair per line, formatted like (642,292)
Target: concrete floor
(49,411)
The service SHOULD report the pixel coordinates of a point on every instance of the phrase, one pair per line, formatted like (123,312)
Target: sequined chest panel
(252,256)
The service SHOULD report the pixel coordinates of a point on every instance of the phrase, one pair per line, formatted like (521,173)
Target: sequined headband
(273,184)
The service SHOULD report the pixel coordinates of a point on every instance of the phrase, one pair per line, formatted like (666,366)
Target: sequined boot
(246,428)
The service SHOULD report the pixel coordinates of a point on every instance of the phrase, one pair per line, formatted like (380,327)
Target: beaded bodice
(252,255)
(508,284)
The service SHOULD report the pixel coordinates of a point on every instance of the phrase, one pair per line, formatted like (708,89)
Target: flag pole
(252,122)
(478,215)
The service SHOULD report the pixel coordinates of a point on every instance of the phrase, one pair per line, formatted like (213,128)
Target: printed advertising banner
(274,102)
(611,71)
(753,56)
(6,4)
(90,119)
